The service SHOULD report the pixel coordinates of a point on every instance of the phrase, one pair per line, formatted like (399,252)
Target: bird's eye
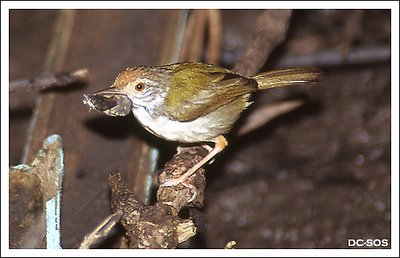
(140,87)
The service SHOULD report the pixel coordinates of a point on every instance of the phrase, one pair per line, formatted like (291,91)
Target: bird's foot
(220,144)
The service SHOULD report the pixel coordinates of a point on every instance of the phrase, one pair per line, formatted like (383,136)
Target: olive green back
(197,89)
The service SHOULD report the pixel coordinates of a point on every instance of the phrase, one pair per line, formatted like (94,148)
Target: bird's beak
(111,101)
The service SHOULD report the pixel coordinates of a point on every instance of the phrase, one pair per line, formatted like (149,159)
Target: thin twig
(51,81)
(23,92)
(263,114)
(101,231)
(270,31)
(215,35)
(334,57)
(194,36)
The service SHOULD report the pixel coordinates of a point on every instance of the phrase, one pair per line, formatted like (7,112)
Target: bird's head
(134,87)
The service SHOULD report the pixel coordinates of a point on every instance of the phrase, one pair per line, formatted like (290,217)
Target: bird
(190,103)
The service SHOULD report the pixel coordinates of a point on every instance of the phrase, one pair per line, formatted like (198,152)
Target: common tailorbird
(189,102)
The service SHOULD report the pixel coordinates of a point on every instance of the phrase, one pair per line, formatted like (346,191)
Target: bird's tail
(286,77)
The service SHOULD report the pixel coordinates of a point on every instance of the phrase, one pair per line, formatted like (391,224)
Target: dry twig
(101,231)
(215,35)
(22,92)
(50,81)
(199,23)
(270,31)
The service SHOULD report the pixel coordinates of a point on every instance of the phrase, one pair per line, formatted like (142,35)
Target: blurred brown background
(311,178)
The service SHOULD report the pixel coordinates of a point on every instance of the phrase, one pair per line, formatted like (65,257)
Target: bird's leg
(220,144)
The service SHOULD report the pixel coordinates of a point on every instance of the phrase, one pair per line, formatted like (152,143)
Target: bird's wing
(198,89)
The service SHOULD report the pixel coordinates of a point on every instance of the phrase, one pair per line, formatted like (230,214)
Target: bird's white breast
(191,131)
(202,129)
